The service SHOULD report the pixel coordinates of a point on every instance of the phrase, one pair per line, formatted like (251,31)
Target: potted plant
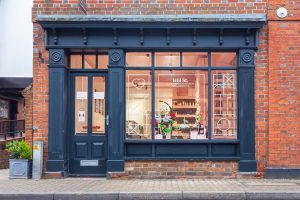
(20,159)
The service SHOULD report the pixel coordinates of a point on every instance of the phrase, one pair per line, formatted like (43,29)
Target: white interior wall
(16,38)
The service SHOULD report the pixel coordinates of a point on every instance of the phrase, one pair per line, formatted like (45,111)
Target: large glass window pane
(139,59)
(223,59)
(181,104)
(167,59)
(194,59)
(98,105)
(76,61)
(138,104)
(81,105)
(224,104)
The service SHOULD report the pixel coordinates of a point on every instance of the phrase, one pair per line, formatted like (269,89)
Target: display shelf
(185,107)
(186,116)
(183,98)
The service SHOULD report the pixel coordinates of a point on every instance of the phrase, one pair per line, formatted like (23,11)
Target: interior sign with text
(83,5)
(181,82)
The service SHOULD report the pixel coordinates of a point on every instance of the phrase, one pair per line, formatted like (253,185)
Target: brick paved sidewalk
(100,188)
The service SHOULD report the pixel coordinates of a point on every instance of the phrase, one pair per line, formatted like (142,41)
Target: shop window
(224,101)
(223,59)
(195,59)
(138,104)
(180,104)
(183,104)
(167,59)
(139,59)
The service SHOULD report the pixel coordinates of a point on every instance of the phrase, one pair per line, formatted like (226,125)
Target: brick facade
(4,156)
(181,169)
(284,86)
(277,79)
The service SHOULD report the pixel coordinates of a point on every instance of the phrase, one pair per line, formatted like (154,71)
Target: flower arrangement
(166,120)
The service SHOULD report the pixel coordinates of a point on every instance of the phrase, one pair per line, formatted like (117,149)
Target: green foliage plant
(19,149)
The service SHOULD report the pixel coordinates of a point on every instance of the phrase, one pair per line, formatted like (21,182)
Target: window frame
(209,70)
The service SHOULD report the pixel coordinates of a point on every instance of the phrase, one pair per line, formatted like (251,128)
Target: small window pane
(81,105)
(102,61)
(224,104)
(138,59)
(223,59)
(138,104)
(194,59)
(76,61)
(167,59)
(89,61)
(98,105)
(181,104)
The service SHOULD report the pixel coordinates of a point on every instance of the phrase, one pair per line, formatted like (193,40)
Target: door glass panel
(98,120)
(81,105)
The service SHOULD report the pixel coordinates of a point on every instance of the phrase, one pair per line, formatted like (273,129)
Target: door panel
(88,147)
(98,150)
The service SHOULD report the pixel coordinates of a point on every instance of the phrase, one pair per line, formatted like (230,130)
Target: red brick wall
(40,87)
(261,100)
(27,94)
(181,169)
(284,86)
(146,7)
(3,156)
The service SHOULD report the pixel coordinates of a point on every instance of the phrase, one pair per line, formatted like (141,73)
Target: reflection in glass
(180,104)
(167,59)
(138,59)
(81,105)
(138,104)
(194,59)
(225,59)
(76,61)
(224,104)
(98,126)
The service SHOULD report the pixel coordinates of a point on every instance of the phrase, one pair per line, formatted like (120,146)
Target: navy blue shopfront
(95,150)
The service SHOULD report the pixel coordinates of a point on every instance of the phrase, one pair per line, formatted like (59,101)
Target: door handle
(107,120)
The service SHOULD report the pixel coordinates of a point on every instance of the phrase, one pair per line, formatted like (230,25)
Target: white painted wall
(16,38)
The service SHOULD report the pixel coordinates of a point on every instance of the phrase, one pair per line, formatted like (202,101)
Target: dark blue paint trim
(128,36)
(217,141)
(283,173)
(58,126)
(246,118)
(116,110)
(185,158)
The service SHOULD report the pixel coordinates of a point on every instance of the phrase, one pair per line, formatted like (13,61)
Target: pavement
(100,188)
